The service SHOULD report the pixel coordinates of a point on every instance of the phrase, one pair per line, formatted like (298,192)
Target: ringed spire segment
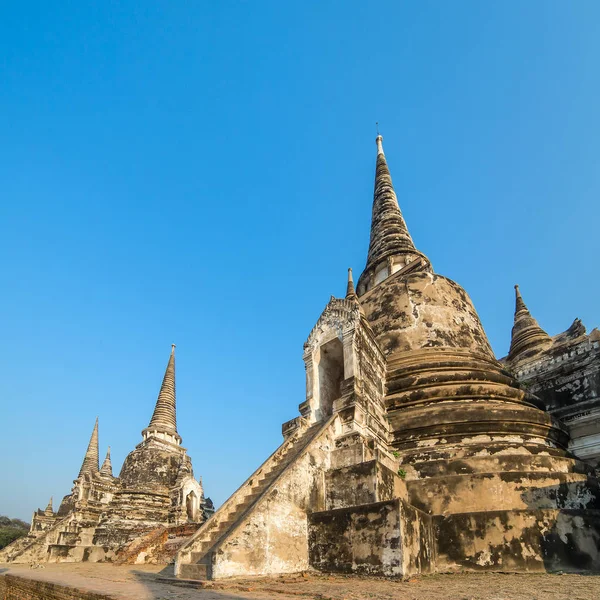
(90,461)
(164,417)
(49,511)
(527,335)
(106,468)
(391,247)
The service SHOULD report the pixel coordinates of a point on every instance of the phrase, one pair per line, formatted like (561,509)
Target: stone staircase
(32,549)
(13,550)
(67,540)
(158,546)
(196,563)
(74,542)
(173,544)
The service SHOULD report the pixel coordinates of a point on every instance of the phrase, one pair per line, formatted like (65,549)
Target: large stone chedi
(130,517)
(415,449)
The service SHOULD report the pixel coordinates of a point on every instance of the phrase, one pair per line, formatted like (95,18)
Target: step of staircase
(194,571)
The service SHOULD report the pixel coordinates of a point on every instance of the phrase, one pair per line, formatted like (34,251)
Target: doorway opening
(331,375)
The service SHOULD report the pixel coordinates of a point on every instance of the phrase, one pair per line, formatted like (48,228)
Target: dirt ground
(154,583)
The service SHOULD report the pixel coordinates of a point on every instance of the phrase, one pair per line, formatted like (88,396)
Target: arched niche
(191,506)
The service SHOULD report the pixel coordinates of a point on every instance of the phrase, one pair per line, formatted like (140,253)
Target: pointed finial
(379,142)
(172,348)
(350,291)
(377,126)
(519,303)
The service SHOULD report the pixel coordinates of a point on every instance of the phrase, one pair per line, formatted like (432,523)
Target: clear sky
(202,173)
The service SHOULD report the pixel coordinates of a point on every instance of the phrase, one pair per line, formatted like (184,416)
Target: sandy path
(144,583)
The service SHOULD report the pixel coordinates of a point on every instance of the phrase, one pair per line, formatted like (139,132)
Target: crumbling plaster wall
(385,538)
(476,492)
(152,466)
(540,540)
(273,537)
(362,483)
(422,310)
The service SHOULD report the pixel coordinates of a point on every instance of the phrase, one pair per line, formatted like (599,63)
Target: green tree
(11,530)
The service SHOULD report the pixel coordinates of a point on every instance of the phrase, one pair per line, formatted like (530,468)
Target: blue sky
(201,173)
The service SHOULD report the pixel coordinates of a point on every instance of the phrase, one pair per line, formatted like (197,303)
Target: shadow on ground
(165,582)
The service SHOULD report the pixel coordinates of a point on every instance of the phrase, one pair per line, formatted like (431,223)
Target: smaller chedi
(564,372)
(142,515)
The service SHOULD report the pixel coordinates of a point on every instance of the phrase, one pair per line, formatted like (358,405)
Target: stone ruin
(564,372)
(142,515)
(415,450)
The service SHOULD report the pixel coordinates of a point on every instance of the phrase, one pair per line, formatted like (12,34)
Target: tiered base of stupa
(490,467)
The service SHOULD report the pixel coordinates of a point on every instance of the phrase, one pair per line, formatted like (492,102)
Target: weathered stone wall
(540,540)
(362,483)
(475,492)
(423,310)
(151,467)
(67,504)
(418,541)
(132,513)
(21,588)
(370,369)
(361,406)
(385,538)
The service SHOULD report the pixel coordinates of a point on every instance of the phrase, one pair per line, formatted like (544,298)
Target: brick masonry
(13,587)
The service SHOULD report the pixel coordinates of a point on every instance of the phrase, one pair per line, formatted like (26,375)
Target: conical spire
(164,418)
(90,462)
(389,233)
(526,333)
(107,465)
(350,291)
(49,510)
